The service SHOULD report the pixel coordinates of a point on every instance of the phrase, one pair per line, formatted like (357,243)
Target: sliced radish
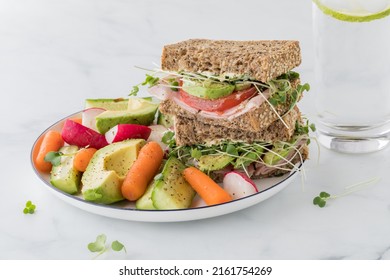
(238,185)
(122,132)
(77,134)
(198,202)
(89,117)
(157,134)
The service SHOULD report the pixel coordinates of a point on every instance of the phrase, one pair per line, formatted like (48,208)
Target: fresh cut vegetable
(238,185)
(122,132)
(76,134)
(171,190)
(89,117)
(82,158)
(206,188)
(51,142)
(64,176)
(142,171)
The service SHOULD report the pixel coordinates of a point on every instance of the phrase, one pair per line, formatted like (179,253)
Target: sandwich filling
(223,97)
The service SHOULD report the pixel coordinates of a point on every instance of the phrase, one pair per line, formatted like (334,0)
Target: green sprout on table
(30,208)
(99,246)
(323,197)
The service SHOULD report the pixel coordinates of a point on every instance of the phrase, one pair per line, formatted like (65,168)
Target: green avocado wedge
(208,89)
(139,111)
(103,178)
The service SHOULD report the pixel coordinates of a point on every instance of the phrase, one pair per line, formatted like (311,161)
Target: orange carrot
(51,142)
(206,188)
(82,158)
(142,171)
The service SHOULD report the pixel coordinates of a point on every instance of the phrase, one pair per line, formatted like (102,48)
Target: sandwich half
(233,105)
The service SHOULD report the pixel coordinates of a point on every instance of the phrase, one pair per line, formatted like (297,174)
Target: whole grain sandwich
(233,105)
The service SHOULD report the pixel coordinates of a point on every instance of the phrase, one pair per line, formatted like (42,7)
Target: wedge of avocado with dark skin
(139,111)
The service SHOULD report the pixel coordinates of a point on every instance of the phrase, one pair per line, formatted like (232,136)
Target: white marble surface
(54,54)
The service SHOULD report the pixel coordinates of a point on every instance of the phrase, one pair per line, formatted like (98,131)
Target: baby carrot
(142,171)
(82,158)
(206,188)
(51,142)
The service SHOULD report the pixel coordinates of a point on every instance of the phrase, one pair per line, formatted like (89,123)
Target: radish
(198,202)
(89,117)
(122,132)
(238,185)
(77,134)
(157,134)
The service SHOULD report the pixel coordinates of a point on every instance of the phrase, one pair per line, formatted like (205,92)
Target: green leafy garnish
(168,137)
(30,208)
(99,246)
(54,158)
(195,153)
(149,80)
(323,197)
(117,246)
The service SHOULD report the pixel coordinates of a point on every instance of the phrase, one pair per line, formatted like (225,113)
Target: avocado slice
(242,86)
(214,162)
(276,154)
(165,120)
(107,169)
(172,191)
(64,176)
(119,104)
(145,202)
(208,89)
(139,111)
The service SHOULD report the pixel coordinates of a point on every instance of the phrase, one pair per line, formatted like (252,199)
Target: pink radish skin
(74,133)
(89,117)
(238,185)
(122,132)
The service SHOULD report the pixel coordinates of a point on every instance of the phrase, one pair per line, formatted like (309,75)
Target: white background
(55,54)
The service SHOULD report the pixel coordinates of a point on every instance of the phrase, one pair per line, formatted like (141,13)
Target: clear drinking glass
(352,74)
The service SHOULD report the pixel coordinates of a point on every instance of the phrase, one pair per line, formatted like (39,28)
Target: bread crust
(259,60)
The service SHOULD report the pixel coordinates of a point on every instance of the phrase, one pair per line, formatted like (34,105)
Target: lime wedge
(354,10)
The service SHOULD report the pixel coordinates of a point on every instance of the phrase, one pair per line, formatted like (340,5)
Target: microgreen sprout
(323,197)
(117,246)
(30,208)
(54,158)
(99,246)
(149,80)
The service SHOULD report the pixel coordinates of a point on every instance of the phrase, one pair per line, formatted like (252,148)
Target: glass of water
(352,74)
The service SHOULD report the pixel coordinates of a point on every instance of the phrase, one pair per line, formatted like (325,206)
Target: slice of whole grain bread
(192,131)
(258,60)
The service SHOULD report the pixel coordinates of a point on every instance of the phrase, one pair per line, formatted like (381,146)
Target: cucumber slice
(172,191)
(145,202)
(64,176)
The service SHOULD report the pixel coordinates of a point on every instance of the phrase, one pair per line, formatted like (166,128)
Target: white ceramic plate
(126,210)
